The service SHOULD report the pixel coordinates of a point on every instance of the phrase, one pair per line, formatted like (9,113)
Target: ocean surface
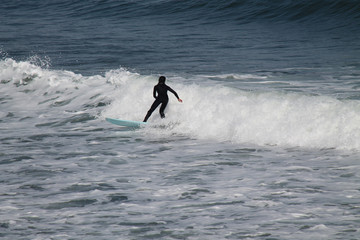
(266,144)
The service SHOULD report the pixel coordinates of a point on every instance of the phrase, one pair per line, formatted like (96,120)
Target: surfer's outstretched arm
(176,95)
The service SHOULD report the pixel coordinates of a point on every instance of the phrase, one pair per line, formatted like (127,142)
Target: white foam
(269,118)
(208,111)
(265,118)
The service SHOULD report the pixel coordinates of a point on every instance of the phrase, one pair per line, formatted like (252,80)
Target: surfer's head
(162,79)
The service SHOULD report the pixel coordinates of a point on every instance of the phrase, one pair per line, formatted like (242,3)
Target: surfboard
(125,123)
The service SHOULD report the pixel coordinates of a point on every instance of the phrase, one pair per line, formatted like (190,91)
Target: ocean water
(266,144)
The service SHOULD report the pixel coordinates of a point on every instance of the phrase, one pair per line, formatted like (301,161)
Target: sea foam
(209,111)
(229,114)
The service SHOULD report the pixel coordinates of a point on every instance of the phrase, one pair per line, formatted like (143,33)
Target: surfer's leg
(162,108)
(152,108)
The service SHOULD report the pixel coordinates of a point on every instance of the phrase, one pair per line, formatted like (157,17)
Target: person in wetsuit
(161,98)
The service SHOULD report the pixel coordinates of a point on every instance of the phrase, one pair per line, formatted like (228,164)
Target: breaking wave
(43,97)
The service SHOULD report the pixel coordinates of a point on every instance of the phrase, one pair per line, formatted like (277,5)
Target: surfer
(161,98)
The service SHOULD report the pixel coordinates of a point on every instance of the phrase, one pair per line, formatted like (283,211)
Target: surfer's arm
(154,92)
(176,95)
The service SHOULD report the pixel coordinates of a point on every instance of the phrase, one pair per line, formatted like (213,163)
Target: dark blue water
(266,144)
(183,36)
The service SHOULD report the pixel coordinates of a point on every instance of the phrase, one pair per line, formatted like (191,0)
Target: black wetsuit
(161,98)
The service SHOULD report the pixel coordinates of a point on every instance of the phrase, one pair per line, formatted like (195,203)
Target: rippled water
(265,145)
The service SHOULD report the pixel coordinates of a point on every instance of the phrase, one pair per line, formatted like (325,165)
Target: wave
(213,11)
(47,98)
